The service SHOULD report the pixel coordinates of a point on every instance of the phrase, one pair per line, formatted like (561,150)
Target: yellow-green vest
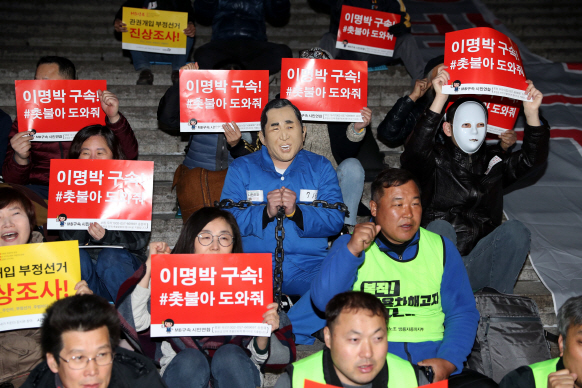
(410,290)
(400,372)
(541,370)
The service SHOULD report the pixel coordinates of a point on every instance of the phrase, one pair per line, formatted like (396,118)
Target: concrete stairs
(82,31)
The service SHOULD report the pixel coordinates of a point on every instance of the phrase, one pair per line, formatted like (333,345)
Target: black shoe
(175,77)
(146,77)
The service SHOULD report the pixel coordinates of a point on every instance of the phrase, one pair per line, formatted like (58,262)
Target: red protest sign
(210,98)
(57,110)
(501,112)
(484,61)
(366,31)
(115,193)
(326,90)
(207,295)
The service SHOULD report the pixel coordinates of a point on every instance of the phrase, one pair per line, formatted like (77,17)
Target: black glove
(398,29)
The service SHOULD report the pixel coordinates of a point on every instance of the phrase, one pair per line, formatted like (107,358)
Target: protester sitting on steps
(142,60)
(230,361)
(112,265)
(20,348)
(28,162)
(564,371)
(462,182)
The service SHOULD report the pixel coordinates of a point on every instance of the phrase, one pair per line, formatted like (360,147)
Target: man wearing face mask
(462,183)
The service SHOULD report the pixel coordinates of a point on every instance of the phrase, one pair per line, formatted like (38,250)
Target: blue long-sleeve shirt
(339,272)
(255,174)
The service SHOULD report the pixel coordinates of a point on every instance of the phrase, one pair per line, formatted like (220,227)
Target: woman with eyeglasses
(229,361)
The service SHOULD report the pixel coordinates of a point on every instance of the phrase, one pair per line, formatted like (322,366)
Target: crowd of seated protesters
(412,231)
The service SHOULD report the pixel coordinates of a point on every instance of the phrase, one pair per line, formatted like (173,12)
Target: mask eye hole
(466,125)
(481,125)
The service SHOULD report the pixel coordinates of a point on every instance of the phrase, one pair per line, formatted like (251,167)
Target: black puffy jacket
(241,19)
(460,188)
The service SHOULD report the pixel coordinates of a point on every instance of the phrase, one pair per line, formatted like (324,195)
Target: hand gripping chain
(279,235)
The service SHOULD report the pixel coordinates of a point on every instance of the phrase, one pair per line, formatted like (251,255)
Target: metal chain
(279,235)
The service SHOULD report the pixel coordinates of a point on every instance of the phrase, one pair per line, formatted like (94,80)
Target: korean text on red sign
(57,110)
(209,295)
(502,112)
(115,193)
(484,61)
(366,31)
(326,90)
(210,98)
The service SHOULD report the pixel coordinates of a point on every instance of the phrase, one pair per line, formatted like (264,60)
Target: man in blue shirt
(282,174)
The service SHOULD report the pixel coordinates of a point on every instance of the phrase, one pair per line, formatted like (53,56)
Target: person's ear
(327,336)
(304,132)
(262,137)
(447,129)
(52,363)
(561,345)
(373,208)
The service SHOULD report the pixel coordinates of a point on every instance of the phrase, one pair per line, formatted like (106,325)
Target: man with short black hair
(28,163)
(356,349)
(417,275)
(561,372)
(283,175)
(80,338)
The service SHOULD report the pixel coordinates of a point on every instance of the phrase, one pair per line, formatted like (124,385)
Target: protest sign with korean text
(502,112)
(117,194)
(313,384)
(366,31)
(154,31)
(210,98)
(326,90)
(484,61)
(32,276)
(210,295)
(58,109)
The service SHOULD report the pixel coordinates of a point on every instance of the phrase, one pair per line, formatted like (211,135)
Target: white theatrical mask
(470,126)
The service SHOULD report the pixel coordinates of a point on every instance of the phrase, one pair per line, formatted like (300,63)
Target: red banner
(313,384)
(326,90)
(115,193)
(501,112)
(366,31)
(484,61)
(210,98)
(57,110)
(208,295)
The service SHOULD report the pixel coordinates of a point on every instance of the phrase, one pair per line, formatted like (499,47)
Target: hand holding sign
(364,234)
(232,133)
(120,26)
(508,138)
(366,116)
(438,82)
(21,145)
(82,288)
(109,104)
(420,88)
(190,30)
(96,231)
(532,106)
(271,317)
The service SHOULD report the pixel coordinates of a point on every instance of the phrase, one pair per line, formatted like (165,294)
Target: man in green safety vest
(564,371)
(417,275)
(356,350)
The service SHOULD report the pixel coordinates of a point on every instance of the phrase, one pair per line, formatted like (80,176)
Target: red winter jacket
(41,153)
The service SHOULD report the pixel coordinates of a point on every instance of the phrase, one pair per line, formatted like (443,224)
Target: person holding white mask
(462,182)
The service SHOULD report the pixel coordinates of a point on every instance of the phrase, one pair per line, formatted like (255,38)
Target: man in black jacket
(406,48)
(462,183)
(239,34)
(79,337)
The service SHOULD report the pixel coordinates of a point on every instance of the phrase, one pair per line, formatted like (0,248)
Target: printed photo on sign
(32,276)
(210,98)
(210,295)
(117,194)
(55,110)
(484,61)
(326,90)
(154,31)
(366,31)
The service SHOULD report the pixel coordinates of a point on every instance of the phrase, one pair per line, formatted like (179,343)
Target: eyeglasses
(224,239)
(81,362)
